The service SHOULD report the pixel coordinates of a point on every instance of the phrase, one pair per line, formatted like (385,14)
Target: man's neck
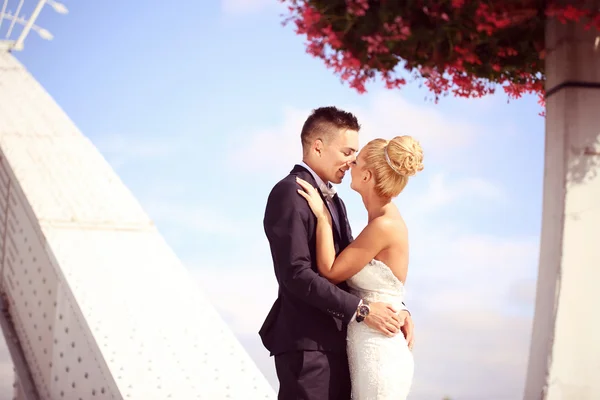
(313,172)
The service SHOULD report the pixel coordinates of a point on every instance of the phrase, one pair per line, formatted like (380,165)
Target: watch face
(364,310)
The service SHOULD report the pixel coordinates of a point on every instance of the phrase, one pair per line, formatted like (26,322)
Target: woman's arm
(325,245)
(357,255)
(353,258)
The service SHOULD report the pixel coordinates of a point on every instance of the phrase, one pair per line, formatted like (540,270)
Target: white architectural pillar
(564,360)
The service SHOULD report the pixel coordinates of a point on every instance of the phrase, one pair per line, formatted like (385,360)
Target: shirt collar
(326,188)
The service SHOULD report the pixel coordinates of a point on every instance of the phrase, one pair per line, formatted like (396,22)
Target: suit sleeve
(286,228)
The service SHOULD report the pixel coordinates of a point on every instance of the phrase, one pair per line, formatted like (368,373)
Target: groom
(306,327)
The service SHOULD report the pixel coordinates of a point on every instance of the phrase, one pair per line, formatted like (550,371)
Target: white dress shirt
(328,191)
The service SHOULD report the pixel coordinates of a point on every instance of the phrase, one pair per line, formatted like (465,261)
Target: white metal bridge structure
(94,303)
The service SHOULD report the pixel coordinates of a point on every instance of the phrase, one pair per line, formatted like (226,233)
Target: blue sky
(198,107)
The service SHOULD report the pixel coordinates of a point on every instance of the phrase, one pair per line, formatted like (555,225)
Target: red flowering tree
(462,47)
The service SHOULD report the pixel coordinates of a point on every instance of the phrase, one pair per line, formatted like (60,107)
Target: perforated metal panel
(102,306)
(45,314)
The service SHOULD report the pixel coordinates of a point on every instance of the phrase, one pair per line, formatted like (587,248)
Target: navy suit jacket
(310,312)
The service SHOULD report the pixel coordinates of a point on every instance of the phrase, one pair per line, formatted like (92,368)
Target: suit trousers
(313,375)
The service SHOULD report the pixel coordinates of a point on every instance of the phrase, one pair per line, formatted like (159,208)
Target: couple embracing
(339,328)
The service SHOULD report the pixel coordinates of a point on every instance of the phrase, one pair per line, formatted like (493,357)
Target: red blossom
(357,7)
(458,3)
(462,47)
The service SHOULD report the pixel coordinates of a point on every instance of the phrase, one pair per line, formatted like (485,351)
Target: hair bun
(406,155)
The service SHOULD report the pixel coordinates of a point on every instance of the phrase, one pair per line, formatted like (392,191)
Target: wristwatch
(362,311)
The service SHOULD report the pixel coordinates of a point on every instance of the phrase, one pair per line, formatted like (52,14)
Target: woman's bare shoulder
(390,224)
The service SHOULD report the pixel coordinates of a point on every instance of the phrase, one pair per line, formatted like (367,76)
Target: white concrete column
(564,360)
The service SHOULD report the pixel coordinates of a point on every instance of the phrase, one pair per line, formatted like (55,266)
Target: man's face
(337,155)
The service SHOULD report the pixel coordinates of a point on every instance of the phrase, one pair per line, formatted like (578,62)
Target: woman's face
(357,171)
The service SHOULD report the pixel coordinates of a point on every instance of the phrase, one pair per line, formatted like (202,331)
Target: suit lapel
(307,176)
(337,230)
(343,218)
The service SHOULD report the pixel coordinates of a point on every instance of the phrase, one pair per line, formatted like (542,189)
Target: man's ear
(318,146)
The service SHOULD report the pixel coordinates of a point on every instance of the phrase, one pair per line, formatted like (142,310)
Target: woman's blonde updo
(392,163)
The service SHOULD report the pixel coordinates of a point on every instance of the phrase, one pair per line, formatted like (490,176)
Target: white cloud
(243,294)
(470,355)
(196,218)
(522,292)
(388,115)
(242,7)
(441,193)
(422,202)
(470,272)
(122,149)
(269,149)
(423,207)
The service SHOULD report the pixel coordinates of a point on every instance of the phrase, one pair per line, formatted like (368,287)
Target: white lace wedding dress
(381,368)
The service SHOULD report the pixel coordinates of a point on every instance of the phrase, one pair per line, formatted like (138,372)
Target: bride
(374,265)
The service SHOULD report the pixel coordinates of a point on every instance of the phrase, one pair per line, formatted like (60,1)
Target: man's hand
(408,328)
(385,319)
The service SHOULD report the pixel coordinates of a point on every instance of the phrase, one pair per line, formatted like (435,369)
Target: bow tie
(328,191)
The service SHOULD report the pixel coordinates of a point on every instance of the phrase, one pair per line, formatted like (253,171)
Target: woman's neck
(375,205)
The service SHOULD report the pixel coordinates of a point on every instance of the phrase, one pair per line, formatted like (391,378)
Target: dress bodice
(377,282)
(381,367)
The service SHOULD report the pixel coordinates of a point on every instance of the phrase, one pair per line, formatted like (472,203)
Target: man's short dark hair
(324,122)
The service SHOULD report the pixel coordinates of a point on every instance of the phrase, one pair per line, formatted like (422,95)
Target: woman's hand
(313,197)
